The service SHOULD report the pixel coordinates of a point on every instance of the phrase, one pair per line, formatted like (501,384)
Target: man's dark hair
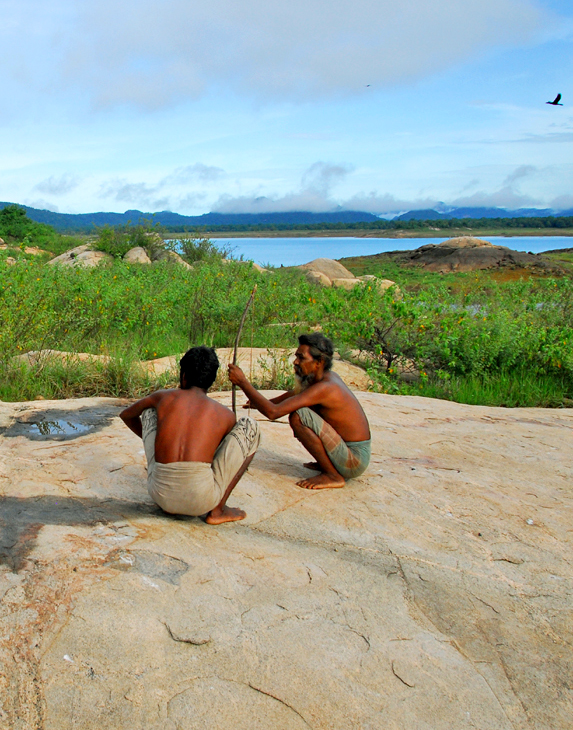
(199,365)
(321,348)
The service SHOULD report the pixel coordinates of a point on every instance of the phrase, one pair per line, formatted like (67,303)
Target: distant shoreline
(450,233)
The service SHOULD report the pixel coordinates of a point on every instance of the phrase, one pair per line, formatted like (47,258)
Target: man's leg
(329,478)
(222,513)
(231,461)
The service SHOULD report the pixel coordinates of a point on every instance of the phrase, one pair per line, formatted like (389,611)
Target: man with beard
(323,413)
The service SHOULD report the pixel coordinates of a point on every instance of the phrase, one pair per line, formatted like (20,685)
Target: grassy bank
(465,337)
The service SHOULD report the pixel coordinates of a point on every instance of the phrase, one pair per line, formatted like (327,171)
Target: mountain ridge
(86,222)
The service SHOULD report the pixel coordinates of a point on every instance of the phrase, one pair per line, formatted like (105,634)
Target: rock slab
(434,592)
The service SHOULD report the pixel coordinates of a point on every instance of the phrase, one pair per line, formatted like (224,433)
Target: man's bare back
(190,425)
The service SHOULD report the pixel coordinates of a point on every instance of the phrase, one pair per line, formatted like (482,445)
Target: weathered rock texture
(81,256)
(34,250)
(330,272)
(166,255)
(463,253)
(137,255)
(432,593)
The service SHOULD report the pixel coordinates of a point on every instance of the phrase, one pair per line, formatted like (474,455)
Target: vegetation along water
(499,339)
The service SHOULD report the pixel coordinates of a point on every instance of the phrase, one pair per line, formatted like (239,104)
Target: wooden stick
(237,339)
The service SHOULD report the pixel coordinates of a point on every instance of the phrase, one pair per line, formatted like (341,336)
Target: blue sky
(251,106)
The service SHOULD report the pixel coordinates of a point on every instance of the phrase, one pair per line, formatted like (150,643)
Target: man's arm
(276,399)
(131,415)
(270,408)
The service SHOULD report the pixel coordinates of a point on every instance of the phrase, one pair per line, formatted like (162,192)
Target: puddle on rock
(59,425)
(58,428)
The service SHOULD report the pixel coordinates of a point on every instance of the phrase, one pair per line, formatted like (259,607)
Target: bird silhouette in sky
(555,101)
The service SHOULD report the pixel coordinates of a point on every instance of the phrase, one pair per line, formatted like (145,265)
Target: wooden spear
(237,339)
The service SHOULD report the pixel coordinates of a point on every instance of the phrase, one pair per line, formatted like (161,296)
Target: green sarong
(349,458)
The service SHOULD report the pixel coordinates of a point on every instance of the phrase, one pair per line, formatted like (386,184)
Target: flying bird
(555,101)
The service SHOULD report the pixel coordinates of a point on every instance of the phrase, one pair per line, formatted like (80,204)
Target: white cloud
(518,174)
(61,185)
(42,204)
(151,54)
(139,194)
(505,197)
(562,202)
(313,195)
(382,204)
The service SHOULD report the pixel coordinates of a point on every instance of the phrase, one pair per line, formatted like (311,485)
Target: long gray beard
(302,382)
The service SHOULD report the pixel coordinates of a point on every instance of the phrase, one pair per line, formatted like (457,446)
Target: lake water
(294,251)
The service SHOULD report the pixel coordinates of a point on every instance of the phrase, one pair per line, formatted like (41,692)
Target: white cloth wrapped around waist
(184,487)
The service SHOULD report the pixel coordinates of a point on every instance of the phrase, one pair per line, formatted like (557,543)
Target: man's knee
(294,420)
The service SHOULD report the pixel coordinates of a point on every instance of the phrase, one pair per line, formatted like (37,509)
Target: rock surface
(137,255)
(81,256)
(434,592)
(166,255)
(466,242)
(329,267)
(463,253)
(329,272)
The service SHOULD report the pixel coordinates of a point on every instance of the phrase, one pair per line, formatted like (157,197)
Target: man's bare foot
(225,514)
(312,465)
(322,481)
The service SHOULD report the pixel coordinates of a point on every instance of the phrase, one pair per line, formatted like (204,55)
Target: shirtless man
(196,449)
(323,413)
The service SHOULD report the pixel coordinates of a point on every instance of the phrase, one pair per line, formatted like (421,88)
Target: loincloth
(196,487)
(349,458)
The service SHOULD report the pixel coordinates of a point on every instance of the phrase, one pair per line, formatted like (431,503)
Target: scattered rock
(137,255)
(82,256)
(34,250)
(166,255)
(10,261)
(329,272)
(464,253)
(329,267)
(318,278)
(345,283)
(381,284)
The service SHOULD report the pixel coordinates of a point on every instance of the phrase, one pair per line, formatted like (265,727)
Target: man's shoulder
(332,380)
(219,407)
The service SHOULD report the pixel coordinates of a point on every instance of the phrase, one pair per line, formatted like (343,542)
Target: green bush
(118,240)
(194,250)
(19,230)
